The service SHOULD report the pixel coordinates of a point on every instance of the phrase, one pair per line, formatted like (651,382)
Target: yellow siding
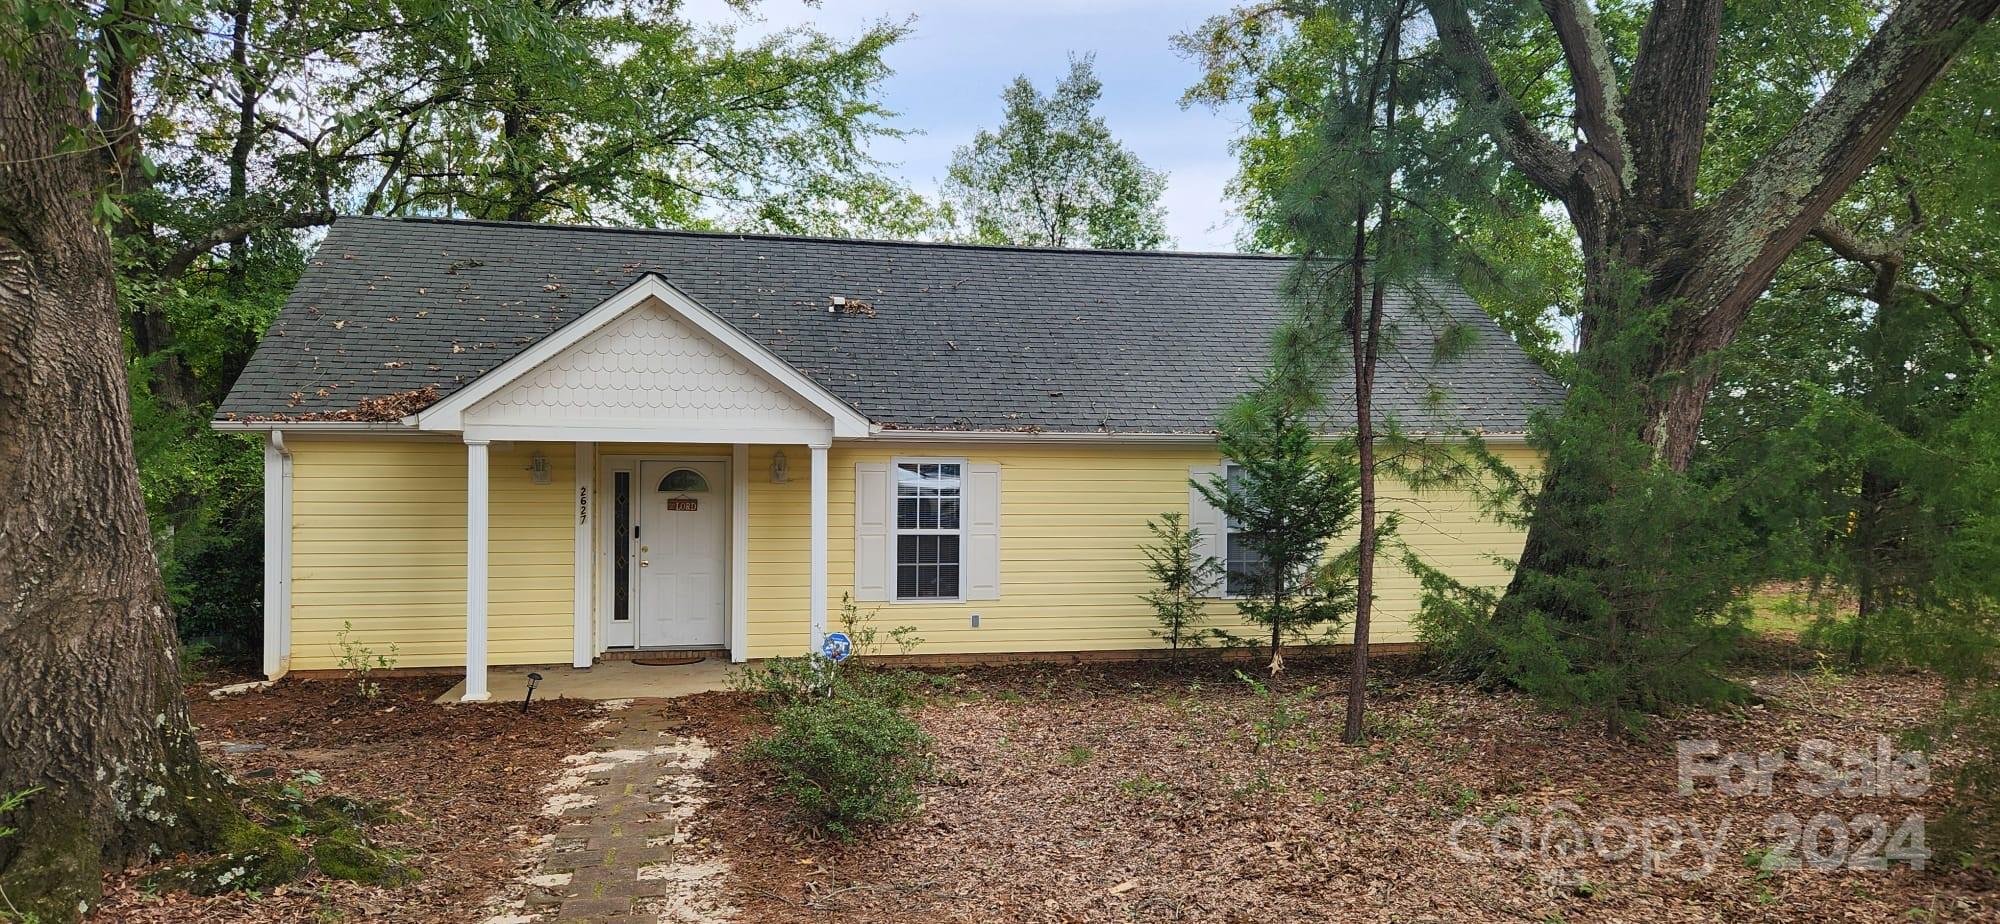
(378,540)
(1072,518)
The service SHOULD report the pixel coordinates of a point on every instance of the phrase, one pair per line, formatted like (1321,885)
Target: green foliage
(1141,786)
(860,629)
(1053,175)
(575,111)
(1292,495)
(1870,366)
(781,682)
(203,494)
(1308,157)
(845,751)
(1650,599)
(361,662)
(1280,713)
(1185,579)
(13,802)
(847,760)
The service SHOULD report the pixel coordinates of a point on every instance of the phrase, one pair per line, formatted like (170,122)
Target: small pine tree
(1293,495)
(1185,577)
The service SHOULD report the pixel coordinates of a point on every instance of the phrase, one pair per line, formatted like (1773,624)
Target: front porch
(607,680)
(648,366)
(657,569)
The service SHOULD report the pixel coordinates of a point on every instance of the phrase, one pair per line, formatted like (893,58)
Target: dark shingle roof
(962,337)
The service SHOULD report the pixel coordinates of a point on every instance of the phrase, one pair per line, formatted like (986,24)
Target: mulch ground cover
(1138,793)
(467,778)
(1141,793)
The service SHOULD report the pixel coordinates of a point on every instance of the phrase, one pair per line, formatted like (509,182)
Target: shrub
(846,760)
(861,630)
(361,662)
(1184,577)
(1289,494)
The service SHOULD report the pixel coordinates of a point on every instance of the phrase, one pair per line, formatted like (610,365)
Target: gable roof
(649,288)
(954,337)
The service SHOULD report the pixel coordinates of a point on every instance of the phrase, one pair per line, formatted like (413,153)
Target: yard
(1133,792)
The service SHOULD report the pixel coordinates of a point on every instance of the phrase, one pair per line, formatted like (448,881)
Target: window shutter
(871,531)
(1205,516)
(982,532)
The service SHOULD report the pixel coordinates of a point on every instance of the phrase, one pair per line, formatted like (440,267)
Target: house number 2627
(583,505)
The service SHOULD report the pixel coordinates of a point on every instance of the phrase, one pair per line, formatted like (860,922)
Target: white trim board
(448,414)
(584,549)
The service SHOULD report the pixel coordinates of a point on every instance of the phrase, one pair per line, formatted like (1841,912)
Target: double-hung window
(929,534)
(1246,573)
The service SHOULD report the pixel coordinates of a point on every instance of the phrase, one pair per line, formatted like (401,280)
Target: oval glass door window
(683,481)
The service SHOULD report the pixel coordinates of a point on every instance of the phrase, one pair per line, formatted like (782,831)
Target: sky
(950,70)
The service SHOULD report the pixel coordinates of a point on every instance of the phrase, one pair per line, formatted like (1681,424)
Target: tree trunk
(171,381)
(1364,326)
(92,712)
(1365,349)
(245,143)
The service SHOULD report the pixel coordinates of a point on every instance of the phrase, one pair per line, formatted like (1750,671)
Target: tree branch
(1544,162)
(1885,260)
(1593,82)
(217,236)
(1764,215)
(1673,83)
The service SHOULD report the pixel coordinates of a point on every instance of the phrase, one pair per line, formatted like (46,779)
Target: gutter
(313,426)
(878,432)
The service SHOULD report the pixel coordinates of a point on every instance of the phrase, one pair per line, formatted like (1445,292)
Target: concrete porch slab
(604,680)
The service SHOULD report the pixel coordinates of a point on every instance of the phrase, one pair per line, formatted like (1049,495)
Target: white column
(816,600)
(585,559)
(475,572)
(277,557)
(739,552)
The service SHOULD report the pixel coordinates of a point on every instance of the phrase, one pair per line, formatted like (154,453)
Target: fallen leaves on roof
(370,410)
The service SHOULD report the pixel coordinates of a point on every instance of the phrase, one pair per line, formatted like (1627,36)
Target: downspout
(277,556)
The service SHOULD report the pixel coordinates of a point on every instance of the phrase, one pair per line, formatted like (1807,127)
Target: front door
(683,552)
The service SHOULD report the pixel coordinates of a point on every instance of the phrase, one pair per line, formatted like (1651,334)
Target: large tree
(1674,258)
(1054,176)
(93,720)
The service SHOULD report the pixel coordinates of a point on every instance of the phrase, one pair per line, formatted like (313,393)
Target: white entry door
(683,554)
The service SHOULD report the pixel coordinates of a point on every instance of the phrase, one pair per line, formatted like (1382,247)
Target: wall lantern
(781,471)
(538,468)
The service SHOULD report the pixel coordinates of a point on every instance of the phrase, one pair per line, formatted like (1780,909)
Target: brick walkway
(618,858)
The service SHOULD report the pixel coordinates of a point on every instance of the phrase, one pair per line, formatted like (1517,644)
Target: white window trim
(1222,584)
(896,530)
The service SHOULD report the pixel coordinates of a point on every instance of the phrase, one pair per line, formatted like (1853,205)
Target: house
(492,443)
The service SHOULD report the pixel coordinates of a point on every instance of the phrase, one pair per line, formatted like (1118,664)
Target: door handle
(644,563)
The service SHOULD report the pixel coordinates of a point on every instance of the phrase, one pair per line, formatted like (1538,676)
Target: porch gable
(649,363)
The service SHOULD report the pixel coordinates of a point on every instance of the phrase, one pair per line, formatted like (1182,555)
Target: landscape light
(533,678)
